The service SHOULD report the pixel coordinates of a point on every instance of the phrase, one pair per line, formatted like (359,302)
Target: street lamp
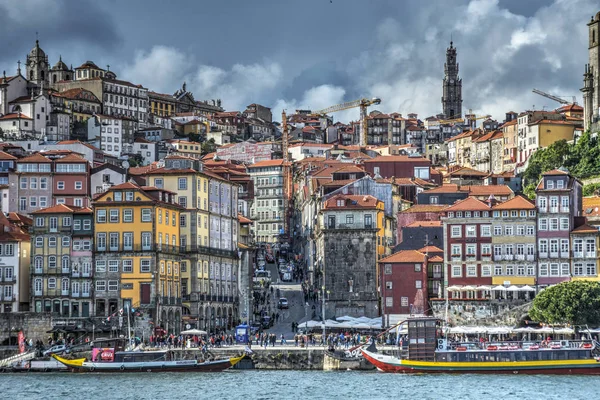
(323,312)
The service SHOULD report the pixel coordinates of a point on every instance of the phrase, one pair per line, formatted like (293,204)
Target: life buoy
(461,349)
(492,348)
(587,345)
(122,368)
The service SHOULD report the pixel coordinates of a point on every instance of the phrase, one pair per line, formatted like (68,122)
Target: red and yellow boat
(429,352)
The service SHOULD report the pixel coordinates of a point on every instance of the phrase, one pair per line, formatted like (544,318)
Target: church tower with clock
(452,90)
(36,66)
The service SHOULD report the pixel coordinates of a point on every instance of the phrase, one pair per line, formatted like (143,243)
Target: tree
(575,302)
(590,189)
(209,146)
(552,157)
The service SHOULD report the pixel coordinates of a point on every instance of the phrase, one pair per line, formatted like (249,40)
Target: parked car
(287,277)
(58,349)
(255,327)
(283,303)
(266,322)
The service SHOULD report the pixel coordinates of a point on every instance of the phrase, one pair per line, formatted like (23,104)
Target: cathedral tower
(452,90)
(591,78)
(36,65)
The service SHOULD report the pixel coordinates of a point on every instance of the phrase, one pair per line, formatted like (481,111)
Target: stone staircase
(7,362)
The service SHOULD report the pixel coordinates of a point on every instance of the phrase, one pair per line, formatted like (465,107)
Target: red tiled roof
(351,202)
(15,116)
(468,204)
(267,163)
(430,249)
(585,228)
(555,172)
(424,224)
(404,256)
(71,158)
(516,203)
(62,208)
(398,158)
(6,157)
(419,208)
(244,220)
(37,157)
(436,259)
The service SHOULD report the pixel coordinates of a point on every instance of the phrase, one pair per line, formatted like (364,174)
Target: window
(128,241)
(51,283)
(486,230)
(531,270)
(144,265)
(101,216)
(471,231)
(78,185)
(101,241)
(418,284)
(52,262)
(128,265)
(114,241)
(182,201)
(530,230)
(497,230)
(578,269)
(146,215)
(455,231)
(520,230)
(456,250)
(471,249)
(486,270)
(456,271)
(471,270)
(39,221)
(554,269)
(113,286)
(590,269)
(510,270)
(128,215)
(486,249)
(404,301)
(387,269)
(417,267)
(51,241)
(564,247)
(60,185)
(544,270)
(182,220)
(564,224)
(564,269)
(508,230)
(543,246)
(498,270)
(39,241)
(113,265)
(543,224)
(182,184)
(66,241)
(114,215)
(100,265)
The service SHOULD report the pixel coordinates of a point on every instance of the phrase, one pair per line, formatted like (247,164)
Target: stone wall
(474,312)
(33,325)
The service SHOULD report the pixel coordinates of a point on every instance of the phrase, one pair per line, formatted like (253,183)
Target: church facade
(452,86)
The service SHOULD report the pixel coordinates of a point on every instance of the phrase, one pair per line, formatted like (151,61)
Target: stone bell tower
(36,65)
(591,78)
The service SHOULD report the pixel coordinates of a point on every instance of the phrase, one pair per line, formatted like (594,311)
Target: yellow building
(137,251)
(550,131)
(82,103)
(186,148)
(162,105)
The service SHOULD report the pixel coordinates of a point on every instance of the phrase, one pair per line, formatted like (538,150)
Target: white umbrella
(483,287)
(345,318)
(513,288)
(545,329)
(467,288)
(527,329)
(564,331)
(453,289)
(499,288)
(527,288)
(194,332)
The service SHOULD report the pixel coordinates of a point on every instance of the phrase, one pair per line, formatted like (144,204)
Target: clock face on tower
(451,80)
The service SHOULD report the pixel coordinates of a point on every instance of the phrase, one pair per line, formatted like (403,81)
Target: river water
(238,384)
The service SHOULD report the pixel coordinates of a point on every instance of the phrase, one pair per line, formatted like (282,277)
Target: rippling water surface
(294,385)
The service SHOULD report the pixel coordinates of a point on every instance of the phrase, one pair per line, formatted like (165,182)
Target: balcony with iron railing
(349,226)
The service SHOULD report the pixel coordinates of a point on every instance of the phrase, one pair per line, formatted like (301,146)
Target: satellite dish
(125,164)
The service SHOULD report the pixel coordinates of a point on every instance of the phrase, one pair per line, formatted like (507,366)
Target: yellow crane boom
(362,103)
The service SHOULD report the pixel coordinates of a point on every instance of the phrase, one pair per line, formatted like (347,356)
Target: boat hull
(336,362)
(81,365)
(559,367)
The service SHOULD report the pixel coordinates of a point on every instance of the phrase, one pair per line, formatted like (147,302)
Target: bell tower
(452,86)
(36,65)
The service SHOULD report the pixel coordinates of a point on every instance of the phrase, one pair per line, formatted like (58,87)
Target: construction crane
(451,121)
(362,103)
(556,98)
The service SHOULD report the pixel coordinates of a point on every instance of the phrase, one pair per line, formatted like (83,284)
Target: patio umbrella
(499,288)
(564,331)
(483,287)
(467,288)
(453,289)
(513,288)
(527,288)
(194,332)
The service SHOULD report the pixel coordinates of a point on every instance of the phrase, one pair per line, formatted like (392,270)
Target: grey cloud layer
(289,54)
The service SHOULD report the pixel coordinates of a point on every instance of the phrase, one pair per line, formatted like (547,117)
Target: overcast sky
(315,53)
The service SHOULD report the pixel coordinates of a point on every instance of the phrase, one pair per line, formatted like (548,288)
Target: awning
(453,289)
(467,288)
(527,288)
(196,332)
(499,288)
(513,288)
(483,287)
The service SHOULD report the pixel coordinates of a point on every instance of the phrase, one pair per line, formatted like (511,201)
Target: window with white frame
(578,269)
(510,270)
(565,270)
(128,215)
(486,249)
(113,265)
(498,270)
(543,224)
(456,271)
(471,270)
(564,247)
(544,270)
(127,265)
(520,230)
(471,231)
(113,286)
(486,230)
(564,224)
(486,270)
(145,265)
(455,231)
(530,230)
(508,230)
(521,270)
(590,269)
(456,250)
(554,269)
(531,270)
(497,230)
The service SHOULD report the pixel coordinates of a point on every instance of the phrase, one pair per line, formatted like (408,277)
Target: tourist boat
(351,359)
(145,361)
(429,352)
(108,355)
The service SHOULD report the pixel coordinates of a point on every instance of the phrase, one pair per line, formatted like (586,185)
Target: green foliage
(209,146)
(581,159)
(589,190)
(575,302)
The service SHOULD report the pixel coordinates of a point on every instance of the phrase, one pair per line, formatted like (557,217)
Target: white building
(301,151)
(14,267)
(117,134)
(105,176)
(146,149)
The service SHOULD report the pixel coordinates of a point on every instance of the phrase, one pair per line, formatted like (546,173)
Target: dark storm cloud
(314,53)
(64,27)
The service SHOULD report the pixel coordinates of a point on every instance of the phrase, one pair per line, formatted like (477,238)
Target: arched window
(30,75)
(54,78)
(65,285)
(65,263)
(52,262)
(38,263)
